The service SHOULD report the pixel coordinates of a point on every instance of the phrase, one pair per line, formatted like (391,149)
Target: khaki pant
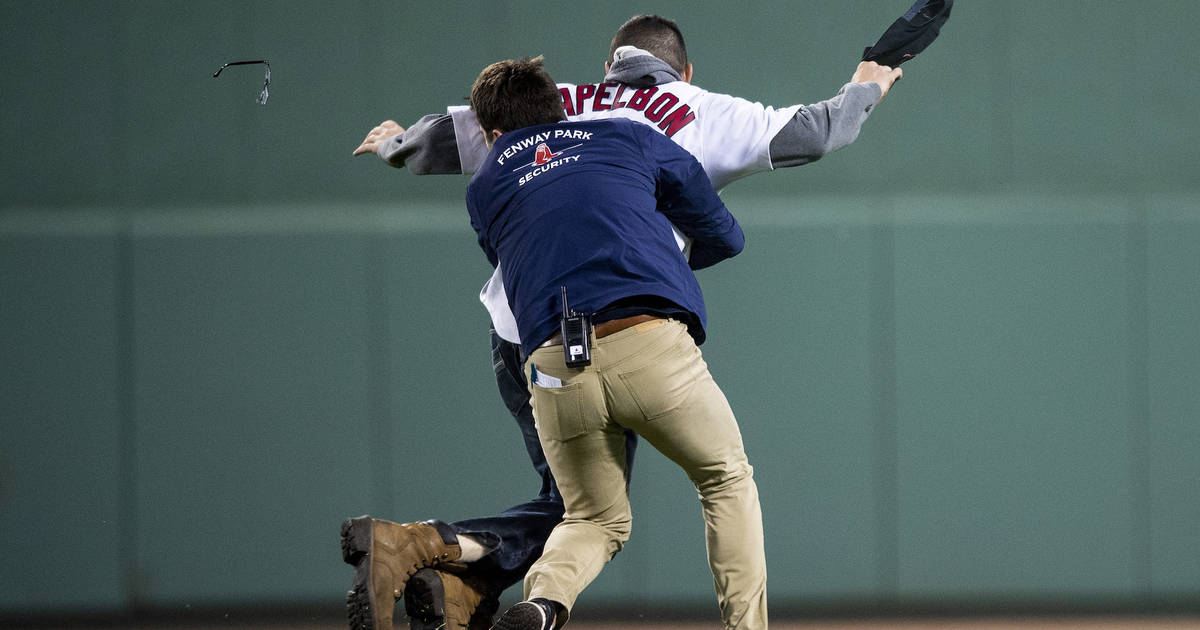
(650,378)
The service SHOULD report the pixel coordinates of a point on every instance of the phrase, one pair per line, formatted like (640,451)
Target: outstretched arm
(834,123)
(428,147)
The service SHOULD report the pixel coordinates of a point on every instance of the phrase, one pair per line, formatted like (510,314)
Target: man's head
(657,36)
(513,94)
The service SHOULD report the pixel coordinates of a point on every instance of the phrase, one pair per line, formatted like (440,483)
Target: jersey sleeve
(468,138)
(736,136)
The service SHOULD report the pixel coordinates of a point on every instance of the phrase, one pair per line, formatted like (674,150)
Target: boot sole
(356,539)
(356,547)
(425,601)
(359,611)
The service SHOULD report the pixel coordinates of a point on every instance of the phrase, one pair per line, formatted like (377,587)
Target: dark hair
(515,93)
(655,35)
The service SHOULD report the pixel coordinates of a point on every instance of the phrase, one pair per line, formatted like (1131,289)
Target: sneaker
(437,599)
(384,556)
(534,614)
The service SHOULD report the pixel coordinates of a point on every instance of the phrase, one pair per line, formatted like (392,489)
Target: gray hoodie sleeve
(823,127)
(428,147)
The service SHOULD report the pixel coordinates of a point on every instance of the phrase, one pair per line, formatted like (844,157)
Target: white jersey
(730,137)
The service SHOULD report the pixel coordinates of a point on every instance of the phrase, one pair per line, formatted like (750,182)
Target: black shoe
(535,614)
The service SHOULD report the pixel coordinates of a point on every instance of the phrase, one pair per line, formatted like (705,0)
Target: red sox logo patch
(544,159)
(544,154)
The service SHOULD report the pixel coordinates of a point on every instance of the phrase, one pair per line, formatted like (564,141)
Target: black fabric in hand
(910,34)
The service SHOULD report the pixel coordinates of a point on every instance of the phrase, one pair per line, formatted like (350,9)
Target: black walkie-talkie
(576,334)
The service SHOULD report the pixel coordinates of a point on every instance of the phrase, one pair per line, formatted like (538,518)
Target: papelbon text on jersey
(658,105)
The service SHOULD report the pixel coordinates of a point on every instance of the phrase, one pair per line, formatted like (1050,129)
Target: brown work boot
(438,599)
(385,555)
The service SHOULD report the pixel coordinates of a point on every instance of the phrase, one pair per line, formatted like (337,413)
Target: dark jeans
(518,534)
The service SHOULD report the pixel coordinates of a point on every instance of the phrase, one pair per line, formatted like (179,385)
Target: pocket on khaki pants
(558,411)
(660,387)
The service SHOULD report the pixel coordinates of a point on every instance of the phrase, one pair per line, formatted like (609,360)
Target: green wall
(964,350)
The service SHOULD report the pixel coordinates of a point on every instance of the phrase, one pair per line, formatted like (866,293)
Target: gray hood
(638,68)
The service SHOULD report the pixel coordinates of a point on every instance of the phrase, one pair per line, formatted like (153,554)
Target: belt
(604,329)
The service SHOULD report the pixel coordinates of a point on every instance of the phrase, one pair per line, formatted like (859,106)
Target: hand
(884,76)
(385,130)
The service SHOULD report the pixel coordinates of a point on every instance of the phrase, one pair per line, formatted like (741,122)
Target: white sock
(471,549)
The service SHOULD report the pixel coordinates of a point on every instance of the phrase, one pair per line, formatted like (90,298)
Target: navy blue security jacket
(589,205)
